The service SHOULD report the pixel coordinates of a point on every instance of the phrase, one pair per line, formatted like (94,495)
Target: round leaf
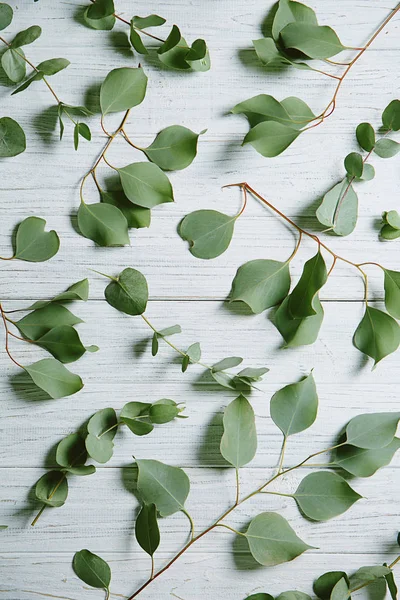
(145,184)
(12,138)
(294,407)
(71,451)
(208,232)
(386,148)
(353,163)
(372,431)
(52,489)
(166,487)
(6,15)
(239,440)
(261,284)
(129,293)
(92,569)
(377,335)
(366,136)
(122,89)
(146,529)
(103,223)
(51,376)
(174,148)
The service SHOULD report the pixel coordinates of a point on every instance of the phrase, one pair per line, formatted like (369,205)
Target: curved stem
(185,512)
(127,139)
(7,334)
(7,258)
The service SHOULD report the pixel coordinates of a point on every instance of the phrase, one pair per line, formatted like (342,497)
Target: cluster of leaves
(14,63)
(142,185)
(129,294)
(391,225)
(338,210)
(33,243)
(51,326)
(368,443)
(173,52)
(96,442)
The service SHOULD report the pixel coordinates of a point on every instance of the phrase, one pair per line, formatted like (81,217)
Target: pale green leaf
(227,363)
(122,89)
(386,148)
(129,292)
(165,486)
(366,575)
(103,223)
(340,590)
(372,431)
(208,232)
(14,64)
(392,292)
(101,428)
(339,208)
(377,335)
(12,138)
(145,184)
(239,440)
(51,376)
(294,407)
(92,569)
(163,411)
(174,148)
(261,284)
(33,243)
(174,329)
(362,462)
(299,332)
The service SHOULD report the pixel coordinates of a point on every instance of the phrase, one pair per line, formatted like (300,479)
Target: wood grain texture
(100,511)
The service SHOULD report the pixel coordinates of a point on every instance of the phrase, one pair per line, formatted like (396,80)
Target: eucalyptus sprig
(368,443)
(142,185)
(129,294)
(97,442)
(265,283)
(173,52)
(14,62)
(33,243)
(276,125)
(391,225)
(50,325)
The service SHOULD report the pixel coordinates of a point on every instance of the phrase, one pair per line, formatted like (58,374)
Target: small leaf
(208,232)
(51,376)
(122,89)
(260,596)
(353,163)
(76,291)
(84,131)
(366,136)
(268,53)
(392,292)
(299,332)
(324,585)
(291,12)
(154,344)
(33,243)
(42,320)
(101,432)
(12,138)
(28,82)
(372,431)
(136,41)
(386,148)
(149,21)
(146,529)
(104,24)
(312,279)
(174,148)
(27,36)
(128,293)
(53,66)
(391,584)
(92,569)
(340,590)
(392,217)
(130,414)
(367,174)
(194,352)
(145,184)
(71,451)
(14,64)
(294,407)
(52,489)
(239,440)
(63,342)
(227,363)
(103,223)
(252,373)
(377,335)
(198,56)
(6,15)
(324,495)
(313,40)
(272,541)
(173,51)
(293,595)
(223,379)
(163,411)
(82,470)
(271,138)
(389,233)
(362,462)
(166,487)
(261,284)
(391,116)
(170,330)
(136,216)
(101,9)
(339,208)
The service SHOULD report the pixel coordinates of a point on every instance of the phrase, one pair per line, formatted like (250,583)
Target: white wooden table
(99,513)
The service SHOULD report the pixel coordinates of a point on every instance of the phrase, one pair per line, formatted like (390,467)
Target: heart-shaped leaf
(145,184)
(312,279)
(261,284)
(51,376)
(362,462)
(339,208)
(103,223)
(377,335)
(294,407)
(174,148)
(101,428)
(166,487)
(146,529)
(129,292)
(52,489)
(33,243)
(92,569)
(122,89)
(372,431)
(239,440)
(299,332)
(208,232)
(365,136)
(12,138)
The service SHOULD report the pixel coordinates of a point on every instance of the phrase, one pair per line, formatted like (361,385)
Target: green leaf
(340,590)
(34,325)
(136,41)
(239,440)
(154,344)
(386,148)
(193,354)
(366,136)
(367,174)
(389,233)
(353,163)
(208,232)
(104,24)
(84,131)
(163,411)
(362,462)
(136,216)
(261,284)
(227,363)
(260,596)
(33,243)
(129,292)
(76,291)
(28,82)
(174,50)
(392,217)
(52,489)
(146,529)
(51,376)
(294,407)
(291,111)
(122,89)
(223,379)
(12,138)
(291,12)
(299,112)
(299,332)
(71,451)
(268,53)
(174,148)
(101,432)
(92,569)
(14,65)
(324,495)
(170,330)
(324,585)
(145,184)
(391,584)
(130,414)
(6,15)
(27,36)
(377,335)
(391,116)
(103,223)
(250,374)
(293,595)
(64,343)
(271,138)
(53,66)
(198,56)
(166,487)
(372,431)
(82,470)
(312,279)
(339,208)
(101,9)
(313,40)
(392,292)
(365,575)
(149,21)
(272,541)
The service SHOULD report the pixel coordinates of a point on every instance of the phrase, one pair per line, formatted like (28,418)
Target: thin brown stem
(7,334)
(127,139)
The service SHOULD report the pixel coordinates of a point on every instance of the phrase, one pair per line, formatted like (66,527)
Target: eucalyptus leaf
(367,174)
(299,332)
(92,569)
(174,329)
(261,284)
(389,233)
(27,36)
(146,529)
(103,223)
(224,379)
(128,293)
(52,66)
(173,51)
(145,184)
(136,216)
(208,232)
(12,138)
(101,9)
(271,138)
(313,40)
(163,411)
(353,163)
(377,335)
(64,343)
(76,291)
(372,431)
(165,486)
(52,489)
(339,209)
(174,148)
(40,321)
(227,363)
(386,148)
(104,24)
(6,15)
(136,41)
(14,65)
(268,53)
(28,82)
(293,595)
(71,451)
(392,292)
(391,116)
(391,583)
(33,243)
(272,541)
(340,590)
(193,354)
(291,12)
(239,440)
(51,376)
(324,585)
(366,136)
(294,407)
(130,415)
(312,279)
(392,218)
(198,56)
(260,596)
(366,575)
(149,21)
(101,429)
(122,89)
(362,462)
(82,470)
(154,344)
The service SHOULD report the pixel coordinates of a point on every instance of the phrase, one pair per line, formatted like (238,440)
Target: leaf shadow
(139,348)
(242,557)
(209,453)
(249,59)
(92,98)
(78,17)
(129,477)
(33,504)
(120,43)
(4,80)
(266,25)
(45,123)
(26,390)
(237,308)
